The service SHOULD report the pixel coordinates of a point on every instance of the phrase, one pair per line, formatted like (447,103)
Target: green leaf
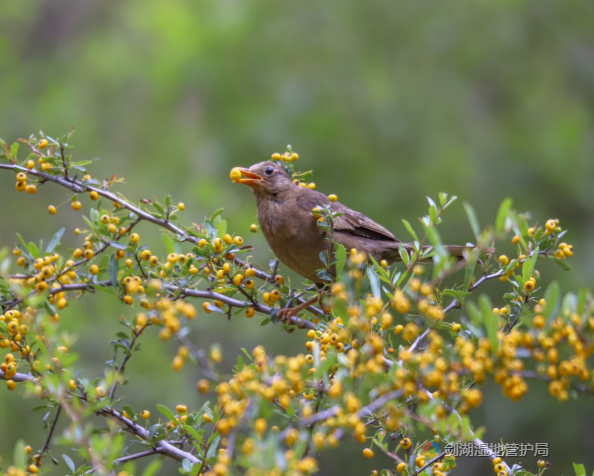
(470,266)
(19,454)
(168,242)
(33,250)
(475,315)
(528,265)
(490,320)
(410,229)
(502,214)
(473,220)
(14,148)
(374,282)
(552,299)
(152,468)
(579,469)
(562,263)
(193,433)
(581,304)
(117,245)
(114,267)
(213,447)
(165,411)
(222,228)
(340,253)
(129,411)
(403,254)
(69,462)
(55,240)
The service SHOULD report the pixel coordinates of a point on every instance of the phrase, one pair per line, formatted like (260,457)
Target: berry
(145,414)
(333,198)
(181,206)
(253,228)
(406,443)
(76,205)
(368,453)
(134,237)
(94,195)
(52,210)
(31,188)
(42,143)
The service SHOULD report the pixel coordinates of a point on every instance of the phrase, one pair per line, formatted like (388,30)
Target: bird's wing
(351,222)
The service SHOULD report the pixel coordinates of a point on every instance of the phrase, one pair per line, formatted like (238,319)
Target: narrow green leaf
(374,282)
(340,253)
(579,469)
(19,457)
(474,224)
(168,242)
(69,462)
(55,240)
(581,304)
(152,468)
(470,266)
(114,267)
(410,229)
(165,411)
(502,214)
(552,299)
(490,320)
(528,265)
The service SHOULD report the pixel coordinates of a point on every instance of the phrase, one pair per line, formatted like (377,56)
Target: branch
(51,432)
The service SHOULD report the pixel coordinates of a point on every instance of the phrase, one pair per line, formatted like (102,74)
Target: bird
(289,224)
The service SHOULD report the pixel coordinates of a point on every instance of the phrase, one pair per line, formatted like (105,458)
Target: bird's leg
(284,315)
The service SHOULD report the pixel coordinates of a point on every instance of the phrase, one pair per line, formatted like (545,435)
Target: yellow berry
(94,269)
(145,255)
(100,392)
(76,205)
(260,425)
(253,228)
(238,240)
(202,386)
(181,206)
(93,195)
(515,240)
(30,164)
(145,414)
(368,453)
(42,143)
(401,467)
(249,312)
(235,174)
(134,237)
(11,385)
(52,210)
(333,198)
(276,156)
(31,188)
(406,443)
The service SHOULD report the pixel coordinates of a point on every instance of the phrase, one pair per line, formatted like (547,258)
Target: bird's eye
(268,171)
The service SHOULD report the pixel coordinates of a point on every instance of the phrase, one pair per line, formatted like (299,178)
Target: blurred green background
(388,101)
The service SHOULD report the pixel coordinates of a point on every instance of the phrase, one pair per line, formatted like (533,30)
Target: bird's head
(265,178)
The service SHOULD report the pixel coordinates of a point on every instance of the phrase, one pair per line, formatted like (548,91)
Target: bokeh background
(388,101)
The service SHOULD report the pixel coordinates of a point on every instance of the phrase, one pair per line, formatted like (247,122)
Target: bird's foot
(285,315)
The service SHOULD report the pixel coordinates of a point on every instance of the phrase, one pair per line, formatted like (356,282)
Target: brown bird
(290,227)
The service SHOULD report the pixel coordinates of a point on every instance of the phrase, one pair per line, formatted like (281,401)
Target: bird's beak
(241,175)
